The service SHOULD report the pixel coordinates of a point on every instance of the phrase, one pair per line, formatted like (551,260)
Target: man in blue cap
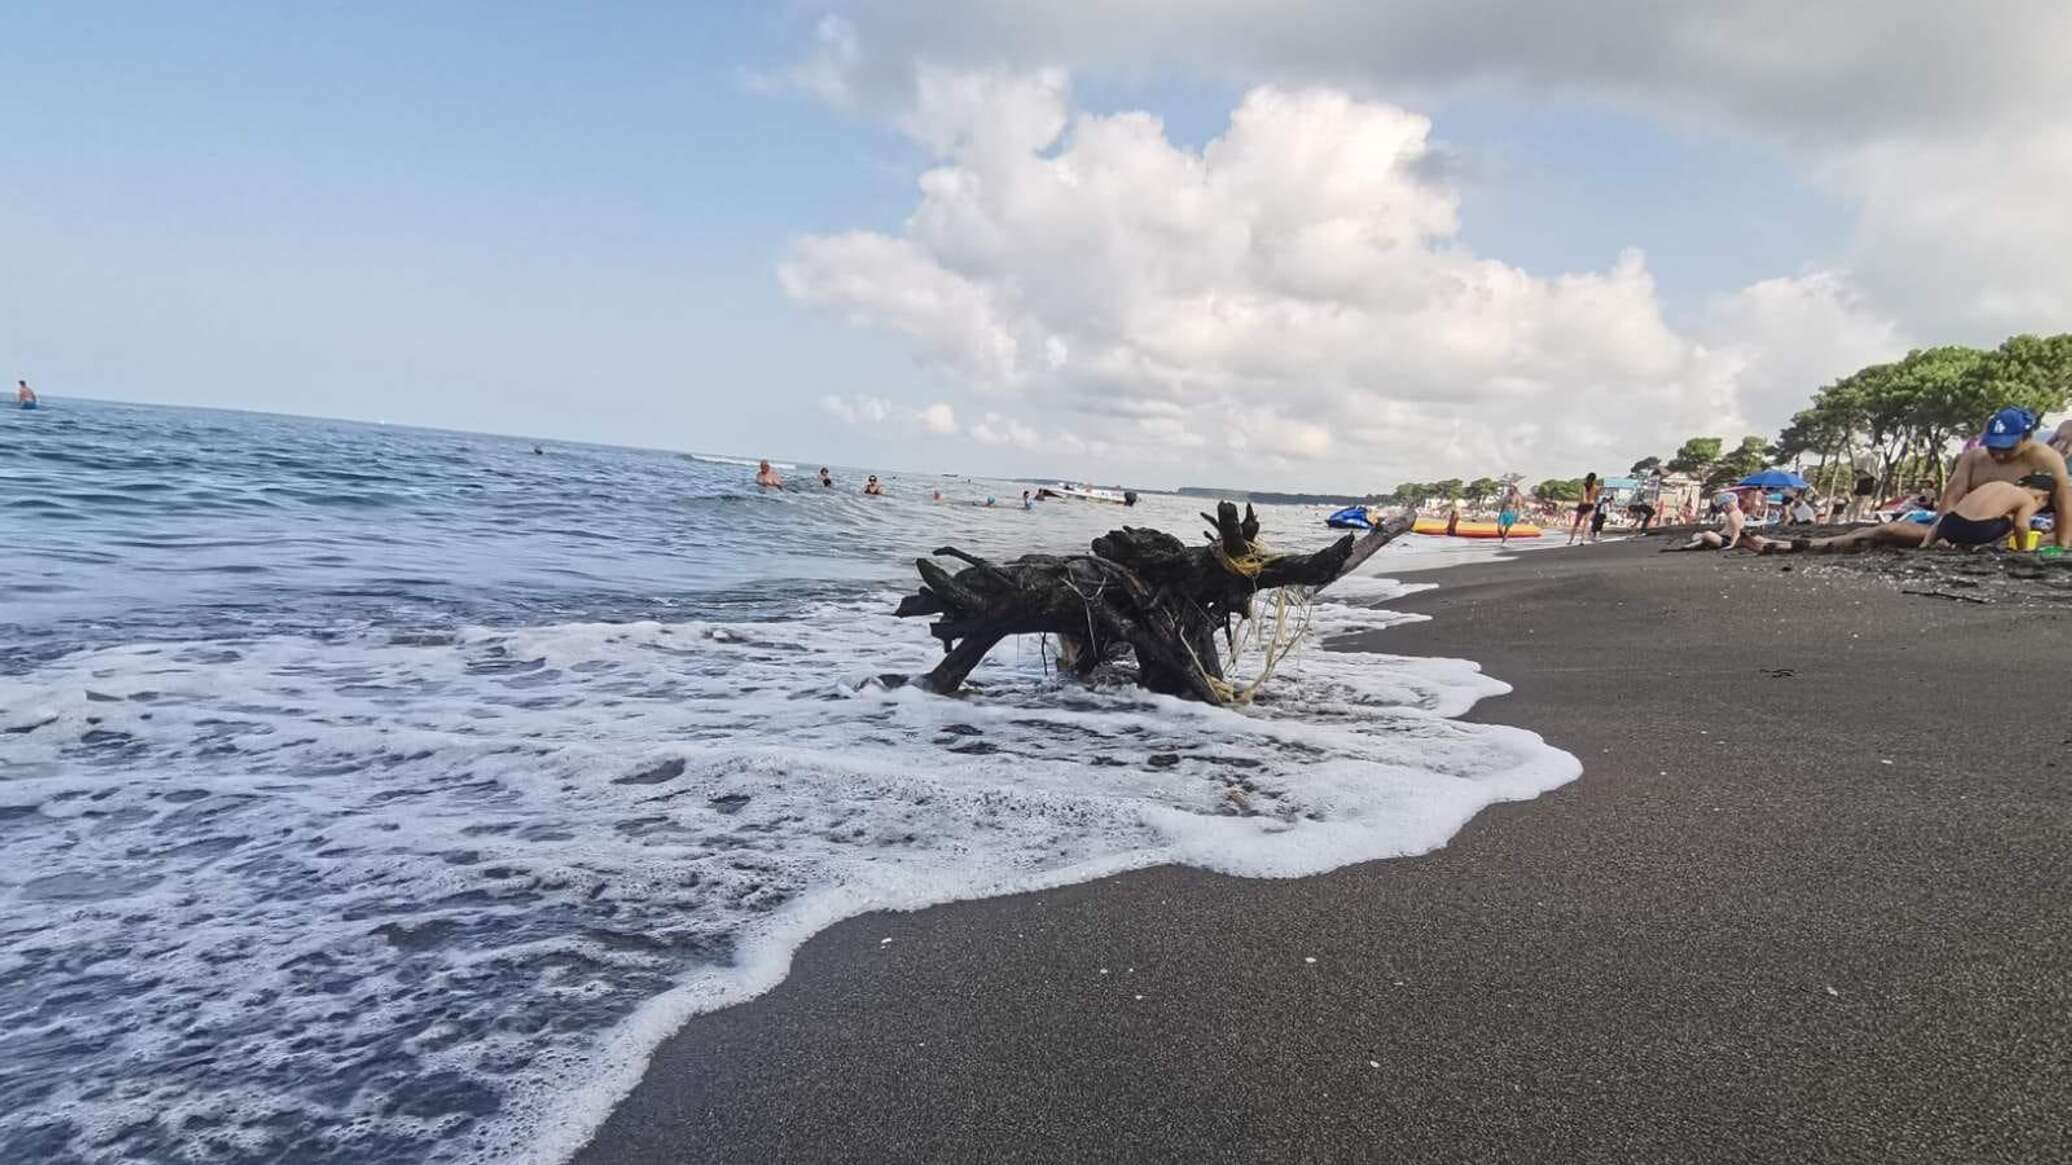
(1995,488)
(2008,451)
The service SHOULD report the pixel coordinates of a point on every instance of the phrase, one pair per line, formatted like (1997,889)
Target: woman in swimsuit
(1585,506)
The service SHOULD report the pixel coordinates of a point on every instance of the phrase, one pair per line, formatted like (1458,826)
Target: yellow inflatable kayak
(1473,529)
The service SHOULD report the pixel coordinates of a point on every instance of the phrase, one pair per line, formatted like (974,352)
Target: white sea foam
(364,898)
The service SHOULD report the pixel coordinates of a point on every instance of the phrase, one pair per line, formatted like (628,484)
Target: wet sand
(1811,900)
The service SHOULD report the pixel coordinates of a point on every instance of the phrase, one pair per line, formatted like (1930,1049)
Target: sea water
(385,795)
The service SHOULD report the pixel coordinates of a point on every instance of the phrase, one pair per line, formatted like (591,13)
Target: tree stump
(1142,593)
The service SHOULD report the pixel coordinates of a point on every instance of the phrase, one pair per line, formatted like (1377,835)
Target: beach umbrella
(1773,479)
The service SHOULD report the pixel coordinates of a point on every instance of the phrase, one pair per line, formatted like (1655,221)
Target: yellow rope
(1279,641)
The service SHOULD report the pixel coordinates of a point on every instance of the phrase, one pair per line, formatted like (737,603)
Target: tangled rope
(1296,607)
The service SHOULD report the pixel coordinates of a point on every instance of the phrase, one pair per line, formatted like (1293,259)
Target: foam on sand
(380,898)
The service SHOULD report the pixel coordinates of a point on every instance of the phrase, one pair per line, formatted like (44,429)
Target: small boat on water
(1093,493)
(1351,518)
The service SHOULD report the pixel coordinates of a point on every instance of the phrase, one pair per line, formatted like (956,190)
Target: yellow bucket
(2024,539)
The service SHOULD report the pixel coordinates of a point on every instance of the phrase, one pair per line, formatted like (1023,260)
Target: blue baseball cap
(2008,427)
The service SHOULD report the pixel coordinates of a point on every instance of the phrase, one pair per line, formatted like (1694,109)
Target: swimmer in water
(872,487)
(827,480)
(767,478)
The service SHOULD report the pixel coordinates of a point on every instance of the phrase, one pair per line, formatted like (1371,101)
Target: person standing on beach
(1507,517)
(767,478)
(1866,495)
(1585,506)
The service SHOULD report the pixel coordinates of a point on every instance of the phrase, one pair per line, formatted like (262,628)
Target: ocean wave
(400,897)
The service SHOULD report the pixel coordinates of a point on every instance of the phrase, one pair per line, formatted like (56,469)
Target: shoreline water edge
(1430,689)
(1760,930)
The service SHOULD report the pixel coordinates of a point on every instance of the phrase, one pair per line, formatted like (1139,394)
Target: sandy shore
(1810,901)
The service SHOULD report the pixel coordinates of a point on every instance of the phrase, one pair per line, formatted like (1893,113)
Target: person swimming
(1028,501)
(827,480)
(872,487)
(766,477)
(24,396)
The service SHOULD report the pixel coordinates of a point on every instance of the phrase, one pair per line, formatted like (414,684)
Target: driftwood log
(1141,592)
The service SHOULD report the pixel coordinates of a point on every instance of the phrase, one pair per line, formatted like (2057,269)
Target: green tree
(2031,372)
(1559,489)
(1484,488)
(1644,466)
(1748,458)
(1695,456)
(1450,489)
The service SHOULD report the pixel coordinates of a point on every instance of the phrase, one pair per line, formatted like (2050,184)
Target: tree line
(1903,414)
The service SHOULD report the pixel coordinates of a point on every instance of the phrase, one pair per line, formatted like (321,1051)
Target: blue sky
(564,221)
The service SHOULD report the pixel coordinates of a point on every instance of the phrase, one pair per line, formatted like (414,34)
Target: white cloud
(857,410)
(1836,71)
(1942,124)
(938,418)
(995,429)
(1291,296)
(1789,335)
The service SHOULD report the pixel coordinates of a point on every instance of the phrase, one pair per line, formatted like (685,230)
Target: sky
(1315,244)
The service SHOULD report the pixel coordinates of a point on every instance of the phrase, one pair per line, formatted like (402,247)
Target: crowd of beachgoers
(2006,487)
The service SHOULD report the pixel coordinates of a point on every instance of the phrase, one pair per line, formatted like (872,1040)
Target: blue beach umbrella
(1774,479)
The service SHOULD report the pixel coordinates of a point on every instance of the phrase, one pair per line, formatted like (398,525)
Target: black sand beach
(1811,900)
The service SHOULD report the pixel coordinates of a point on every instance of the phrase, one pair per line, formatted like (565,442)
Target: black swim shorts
(1961,531)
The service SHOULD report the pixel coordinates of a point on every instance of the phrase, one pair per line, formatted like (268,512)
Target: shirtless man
(1732,532)
(767,477)
(1983,517)
(872,487)
(2009,452)
(24,395)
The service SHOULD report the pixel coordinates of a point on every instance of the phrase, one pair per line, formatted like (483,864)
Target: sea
(378,794)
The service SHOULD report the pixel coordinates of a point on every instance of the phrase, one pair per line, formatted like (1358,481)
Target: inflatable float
(1437,526)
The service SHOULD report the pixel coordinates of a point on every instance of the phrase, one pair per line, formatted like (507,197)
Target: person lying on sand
(1732,532)
(767,477)
(1984,517)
